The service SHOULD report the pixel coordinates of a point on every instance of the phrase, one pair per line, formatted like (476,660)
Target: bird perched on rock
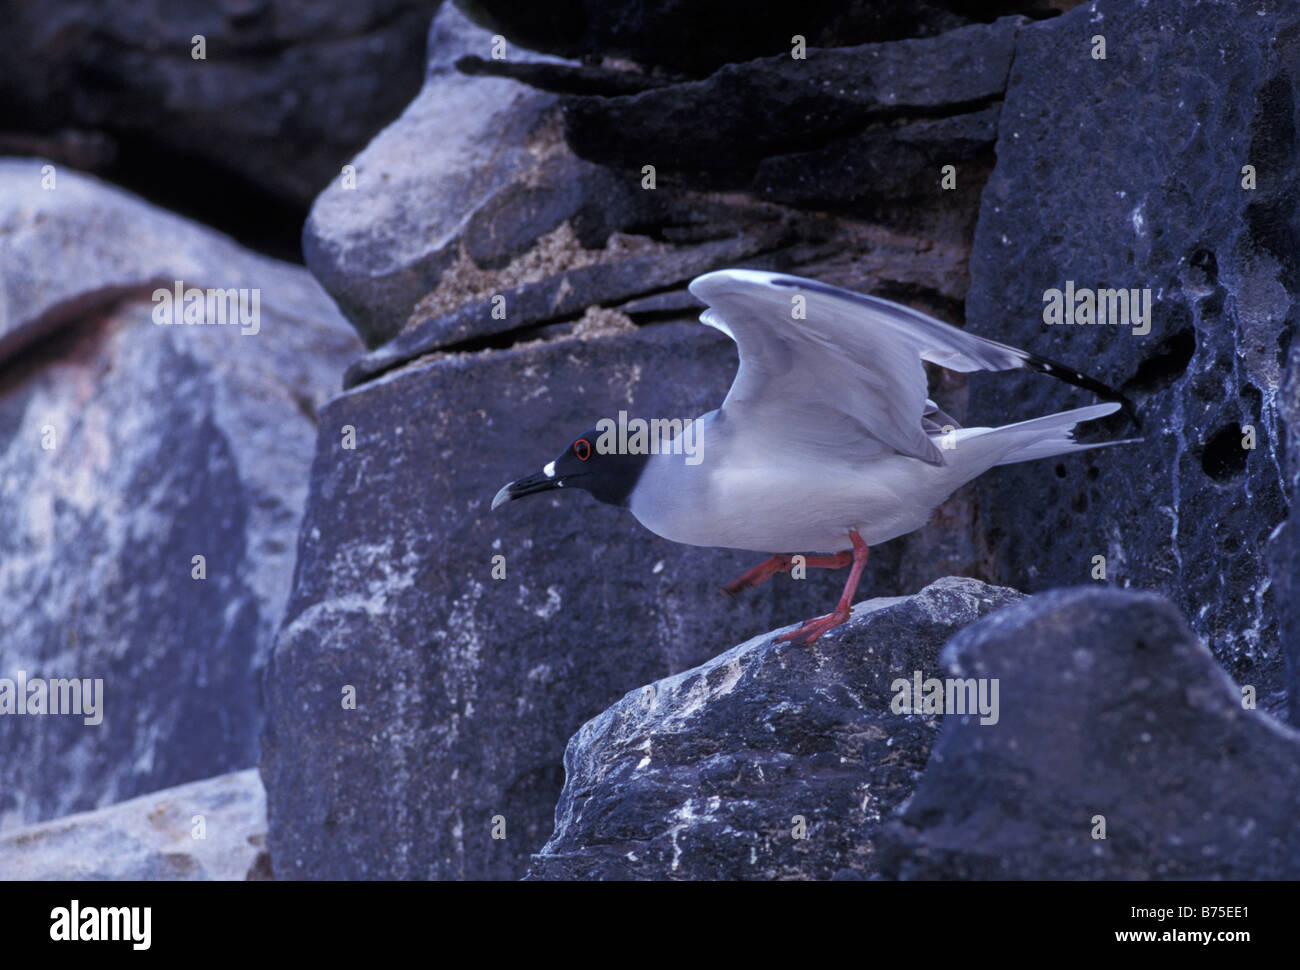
(826,442)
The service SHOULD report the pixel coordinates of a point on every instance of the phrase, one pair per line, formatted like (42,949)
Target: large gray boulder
(127,449)
(1127,172)
(213,829)
(770,761)
(462,151)
(73,246)
(1123,751)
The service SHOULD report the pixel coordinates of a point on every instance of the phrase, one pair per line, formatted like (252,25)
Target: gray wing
(846,374)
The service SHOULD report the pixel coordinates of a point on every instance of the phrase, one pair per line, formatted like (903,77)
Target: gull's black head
(609,476)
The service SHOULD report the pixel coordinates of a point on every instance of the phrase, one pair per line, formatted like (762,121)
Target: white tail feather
(1052,434)
(1042,437)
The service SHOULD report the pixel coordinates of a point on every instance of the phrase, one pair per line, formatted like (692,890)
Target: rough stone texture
(83,245)
(151,837)
(707,129)
(288,91)
(1127,172)
(463,152)
(702,775)
(883,167)
(474,192)
(1283,550)
(1276,216)
(468,687)
(697,36)
(538,306)
(1109,705)
(168,442)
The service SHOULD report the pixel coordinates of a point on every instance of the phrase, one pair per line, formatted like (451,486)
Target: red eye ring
(582,448)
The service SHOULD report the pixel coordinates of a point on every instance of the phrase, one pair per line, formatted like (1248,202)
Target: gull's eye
(582,448)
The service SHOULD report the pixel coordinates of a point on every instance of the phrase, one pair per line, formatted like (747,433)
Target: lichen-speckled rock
(1128,173)
(155,837)
(707,774)
(127,449)
(1114,714)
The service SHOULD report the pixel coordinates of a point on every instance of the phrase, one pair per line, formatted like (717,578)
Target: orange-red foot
(815,627)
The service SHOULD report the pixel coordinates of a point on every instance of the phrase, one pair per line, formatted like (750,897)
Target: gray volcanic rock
(886,165)
(1127,173)
(70,250)
(287,92)
(468,686)
(465,151)
(1110,709)
(152,837)
(1283,549)
(127,449)
(708,130)
(707,774)
(554,301)
(474,193)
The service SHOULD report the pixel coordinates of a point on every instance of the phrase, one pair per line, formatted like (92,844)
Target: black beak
(525,486)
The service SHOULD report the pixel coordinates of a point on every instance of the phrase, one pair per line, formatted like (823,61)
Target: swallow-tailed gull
(826,443)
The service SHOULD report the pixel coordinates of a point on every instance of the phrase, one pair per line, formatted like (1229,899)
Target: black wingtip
(1127,406)
(1063,372)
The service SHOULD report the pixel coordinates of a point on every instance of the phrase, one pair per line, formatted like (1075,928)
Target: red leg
(814,628)
(764,571)
(781,564)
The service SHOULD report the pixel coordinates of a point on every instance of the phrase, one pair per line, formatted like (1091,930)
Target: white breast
(792,509)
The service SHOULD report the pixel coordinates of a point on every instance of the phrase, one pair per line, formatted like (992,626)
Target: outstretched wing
(826,370)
